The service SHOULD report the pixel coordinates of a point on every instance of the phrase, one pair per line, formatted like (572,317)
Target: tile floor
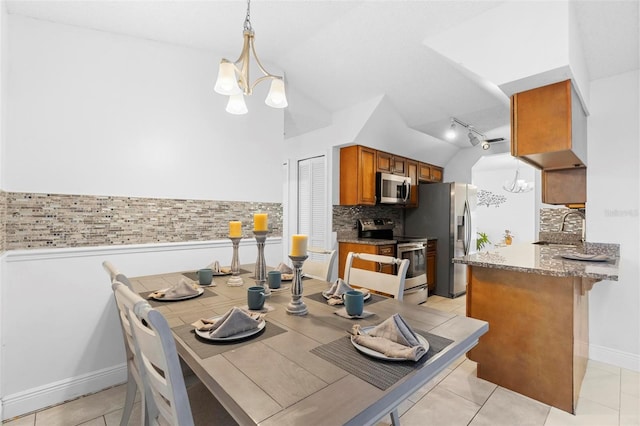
(609,396)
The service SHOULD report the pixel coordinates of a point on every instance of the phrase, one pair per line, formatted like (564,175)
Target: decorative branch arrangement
(488,198)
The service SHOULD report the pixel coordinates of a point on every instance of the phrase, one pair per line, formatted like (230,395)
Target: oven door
(415,252)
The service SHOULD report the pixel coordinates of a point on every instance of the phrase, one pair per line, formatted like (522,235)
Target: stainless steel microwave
(392,189)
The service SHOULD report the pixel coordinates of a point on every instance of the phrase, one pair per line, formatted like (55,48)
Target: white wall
(612,216)
(96,113)
(102,114)
(517,213)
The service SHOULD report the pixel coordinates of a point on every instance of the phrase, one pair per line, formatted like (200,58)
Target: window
(312,201)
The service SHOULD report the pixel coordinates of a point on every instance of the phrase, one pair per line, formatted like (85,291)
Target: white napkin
(393,337)
(182,288)
(234,321)
(284,268)
(217,269)
(339,288)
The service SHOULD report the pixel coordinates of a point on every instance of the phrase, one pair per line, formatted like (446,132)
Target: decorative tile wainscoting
(3,221)
(32,220)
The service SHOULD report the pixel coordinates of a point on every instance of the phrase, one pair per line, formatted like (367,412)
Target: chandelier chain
(247,20)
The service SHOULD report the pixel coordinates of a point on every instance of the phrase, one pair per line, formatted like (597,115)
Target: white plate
(241,335)
(376,354)
(173,299)
(328,296)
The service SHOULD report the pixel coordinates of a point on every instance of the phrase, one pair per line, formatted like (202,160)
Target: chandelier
(517,185)
(233,77)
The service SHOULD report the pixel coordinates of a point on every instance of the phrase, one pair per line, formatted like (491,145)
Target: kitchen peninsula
(536,304)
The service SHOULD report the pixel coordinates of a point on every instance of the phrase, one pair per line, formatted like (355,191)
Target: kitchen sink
(552,244)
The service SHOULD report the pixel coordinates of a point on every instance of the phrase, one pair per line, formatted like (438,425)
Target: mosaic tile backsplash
(34,220)
(345,217)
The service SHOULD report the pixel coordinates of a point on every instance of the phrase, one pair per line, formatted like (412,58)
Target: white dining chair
(134,379)
(392,284)
(320,269)
(168,400)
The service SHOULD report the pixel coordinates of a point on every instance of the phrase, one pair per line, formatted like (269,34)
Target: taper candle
(235,229)
(260,222)
(298,245)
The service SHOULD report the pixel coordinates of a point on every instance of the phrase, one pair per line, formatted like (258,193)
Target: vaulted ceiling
(338,53)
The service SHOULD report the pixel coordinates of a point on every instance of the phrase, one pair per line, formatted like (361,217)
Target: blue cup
(205,276)
(274,278)
(354,302)
(255,298)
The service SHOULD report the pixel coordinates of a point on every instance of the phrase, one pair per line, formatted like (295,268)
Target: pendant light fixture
(517,185)
(233,77)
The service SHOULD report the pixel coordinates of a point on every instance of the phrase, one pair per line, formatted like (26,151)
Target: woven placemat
(380,373)
(318,297)
(194,275)
(207,348)
(156,303)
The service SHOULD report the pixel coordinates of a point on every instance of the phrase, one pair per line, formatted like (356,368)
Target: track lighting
(472,134)
(451,133)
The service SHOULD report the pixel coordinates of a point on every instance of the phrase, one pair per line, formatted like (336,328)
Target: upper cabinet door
(357,176)
(548,127)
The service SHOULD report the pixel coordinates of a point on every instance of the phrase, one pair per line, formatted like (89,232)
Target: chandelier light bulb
(276,97)
(227,83)
(236,105)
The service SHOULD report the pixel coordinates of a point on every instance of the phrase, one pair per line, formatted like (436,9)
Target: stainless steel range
(412,248)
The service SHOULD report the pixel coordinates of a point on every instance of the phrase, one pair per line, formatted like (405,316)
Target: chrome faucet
(584,222)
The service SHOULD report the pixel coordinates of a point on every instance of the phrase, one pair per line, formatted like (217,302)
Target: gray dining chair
(392,284)
(134,379)
(320,269)
(168,400)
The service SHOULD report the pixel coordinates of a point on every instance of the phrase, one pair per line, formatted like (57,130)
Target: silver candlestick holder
(260,273)
(235,280)
(297,306)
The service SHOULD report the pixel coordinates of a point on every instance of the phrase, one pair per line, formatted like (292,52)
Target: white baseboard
(64,390)
(614,357)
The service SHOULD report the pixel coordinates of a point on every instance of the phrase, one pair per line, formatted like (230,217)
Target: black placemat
(318,297)
(206,348)
(194,275)
(380,373)
(156,303)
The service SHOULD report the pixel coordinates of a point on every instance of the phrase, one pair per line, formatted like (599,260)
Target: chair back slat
(165,390)
(392,284)
(320,269)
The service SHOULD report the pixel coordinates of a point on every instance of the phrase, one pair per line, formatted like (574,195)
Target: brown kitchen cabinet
(548,127)
(565,186)
(357,176)
(432,257)
(389,163)
(429,173)
(345,248)
(412,173)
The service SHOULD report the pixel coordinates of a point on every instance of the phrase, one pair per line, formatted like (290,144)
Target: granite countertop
(371,241)
(544,260)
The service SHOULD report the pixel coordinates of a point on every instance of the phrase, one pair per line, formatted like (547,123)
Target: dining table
(304,369)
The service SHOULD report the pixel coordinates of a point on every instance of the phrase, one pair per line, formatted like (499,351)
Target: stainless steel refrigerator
(446,211)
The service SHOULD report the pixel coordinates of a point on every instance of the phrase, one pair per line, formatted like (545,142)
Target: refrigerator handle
(467,228)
